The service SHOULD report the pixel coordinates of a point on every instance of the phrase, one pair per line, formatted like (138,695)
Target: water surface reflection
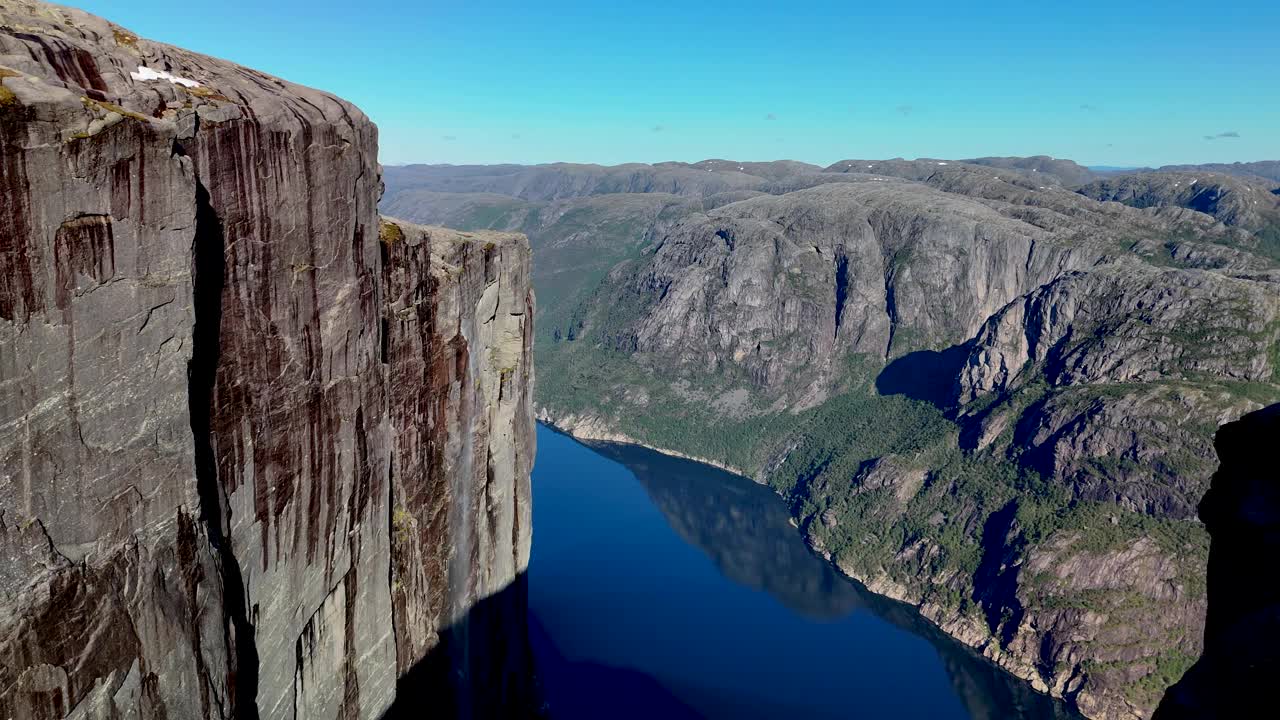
(730,615)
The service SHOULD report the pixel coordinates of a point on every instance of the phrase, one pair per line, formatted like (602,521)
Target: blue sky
(1122,83)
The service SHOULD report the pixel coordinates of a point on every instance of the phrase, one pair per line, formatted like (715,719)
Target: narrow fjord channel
(664,588)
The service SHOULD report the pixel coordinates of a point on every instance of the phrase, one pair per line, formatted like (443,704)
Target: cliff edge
(261,452)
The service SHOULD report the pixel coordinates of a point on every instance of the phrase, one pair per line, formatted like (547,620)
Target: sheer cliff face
(258,449)
(783,288)
(459,313)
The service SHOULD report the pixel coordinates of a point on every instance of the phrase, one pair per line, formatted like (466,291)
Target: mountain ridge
(981,391)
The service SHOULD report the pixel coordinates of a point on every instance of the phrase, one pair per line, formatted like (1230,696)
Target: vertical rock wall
(458,326)
(258,453)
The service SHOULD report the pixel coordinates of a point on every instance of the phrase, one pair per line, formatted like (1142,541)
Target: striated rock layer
(259,451)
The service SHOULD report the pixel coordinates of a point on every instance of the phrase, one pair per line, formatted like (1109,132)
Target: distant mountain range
(987,387)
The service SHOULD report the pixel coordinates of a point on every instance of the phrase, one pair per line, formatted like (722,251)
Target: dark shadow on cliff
(928,375)
(208,279)
(481,668)
(997,575)
(1241,511)
(986,691)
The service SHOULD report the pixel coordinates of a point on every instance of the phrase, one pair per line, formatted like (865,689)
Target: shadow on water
(593,690)
(927,375)
(743,527)
(491,677)
(746,531)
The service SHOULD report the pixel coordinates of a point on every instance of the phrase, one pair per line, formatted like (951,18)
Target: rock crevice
(208,247)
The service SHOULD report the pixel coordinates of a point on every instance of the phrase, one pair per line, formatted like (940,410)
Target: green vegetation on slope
(1054,514)
(935,543)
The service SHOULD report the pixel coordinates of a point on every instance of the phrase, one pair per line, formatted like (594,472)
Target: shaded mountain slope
(1242,514)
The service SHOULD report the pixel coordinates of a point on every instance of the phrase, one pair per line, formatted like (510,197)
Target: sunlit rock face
(259,450)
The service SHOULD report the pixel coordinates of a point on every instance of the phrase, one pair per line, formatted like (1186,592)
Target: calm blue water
(664,588)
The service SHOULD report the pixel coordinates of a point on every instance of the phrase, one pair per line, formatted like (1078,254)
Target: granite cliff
(987,387)
(262,453)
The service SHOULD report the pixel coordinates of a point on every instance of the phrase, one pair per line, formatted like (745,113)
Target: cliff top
(394,229)
(62,55)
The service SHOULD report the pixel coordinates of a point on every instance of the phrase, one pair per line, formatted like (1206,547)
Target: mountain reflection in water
(851,665)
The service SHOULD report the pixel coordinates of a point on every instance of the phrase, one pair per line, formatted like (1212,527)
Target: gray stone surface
(201,442)
(460,312)
(1249,203)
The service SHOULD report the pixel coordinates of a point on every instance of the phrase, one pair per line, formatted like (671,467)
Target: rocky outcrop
(459,317)
(1242,629)
(1063,172)
(1130,324)
(259,450)
(780,288)
(1246,203)
(1265,169)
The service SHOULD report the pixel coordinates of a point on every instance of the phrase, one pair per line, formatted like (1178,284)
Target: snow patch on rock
(145,73)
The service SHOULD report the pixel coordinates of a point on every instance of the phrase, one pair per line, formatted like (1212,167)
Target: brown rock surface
(217,375)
